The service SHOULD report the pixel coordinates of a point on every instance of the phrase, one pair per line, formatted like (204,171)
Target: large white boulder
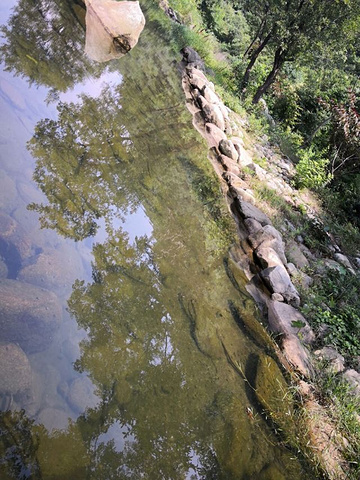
(112,28)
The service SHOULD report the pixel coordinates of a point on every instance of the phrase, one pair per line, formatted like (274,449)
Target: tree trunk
(257,35)
(279,60)
(253,59)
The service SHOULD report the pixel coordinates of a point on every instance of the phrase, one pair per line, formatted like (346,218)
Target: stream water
(126,342)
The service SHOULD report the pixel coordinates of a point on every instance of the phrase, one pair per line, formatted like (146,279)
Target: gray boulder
(295,255)
(259,171)
(269,237)
(212,114)
(225,112)
(353,378)
(213,135)
(278,281)
(191,57)
(29,315)
(227,148)
(344,261)
(335,361)
(297,355)
(252,225)
(197,80)
(277,297)
(247,210)
(229,164)
(245,194)
(267,257)
(286,320)
(211,97)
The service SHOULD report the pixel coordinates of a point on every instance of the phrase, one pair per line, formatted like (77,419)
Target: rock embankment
(262,249)
(261,253)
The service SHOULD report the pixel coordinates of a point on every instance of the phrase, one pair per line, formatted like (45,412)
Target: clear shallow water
(134,364)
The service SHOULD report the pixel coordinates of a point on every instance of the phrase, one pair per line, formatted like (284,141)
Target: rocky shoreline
(261,254)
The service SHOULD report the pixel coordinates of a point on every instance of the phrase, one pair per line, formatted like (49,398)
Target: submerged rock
(112,28)
(29,315)
(81,395)
(271,472)
(8,194)
(15,371)
(54,270)
(53,419)
(272,391)
(3,269)
(14,245)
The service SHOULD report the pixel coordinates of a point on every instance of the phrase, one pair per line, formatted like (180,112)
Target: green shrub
(342,330)
(312,170)
(333,301)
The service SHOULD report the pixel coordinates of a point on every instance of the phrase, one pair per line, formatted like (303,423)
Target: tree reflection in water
(44,41)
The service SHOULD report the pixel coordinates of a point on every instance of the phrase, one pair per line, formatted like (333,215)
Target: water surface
(140,365)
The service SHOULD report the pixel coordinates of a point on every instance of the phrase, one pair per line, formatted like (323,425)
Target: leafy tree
(288,28)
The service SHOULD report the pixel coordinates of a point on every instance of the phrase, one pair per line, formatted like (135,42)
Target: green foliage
(342,202)
(333,301)
(261,161)
(227,23)
(312,170)
(345,137)
(343,329)
(285,101)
